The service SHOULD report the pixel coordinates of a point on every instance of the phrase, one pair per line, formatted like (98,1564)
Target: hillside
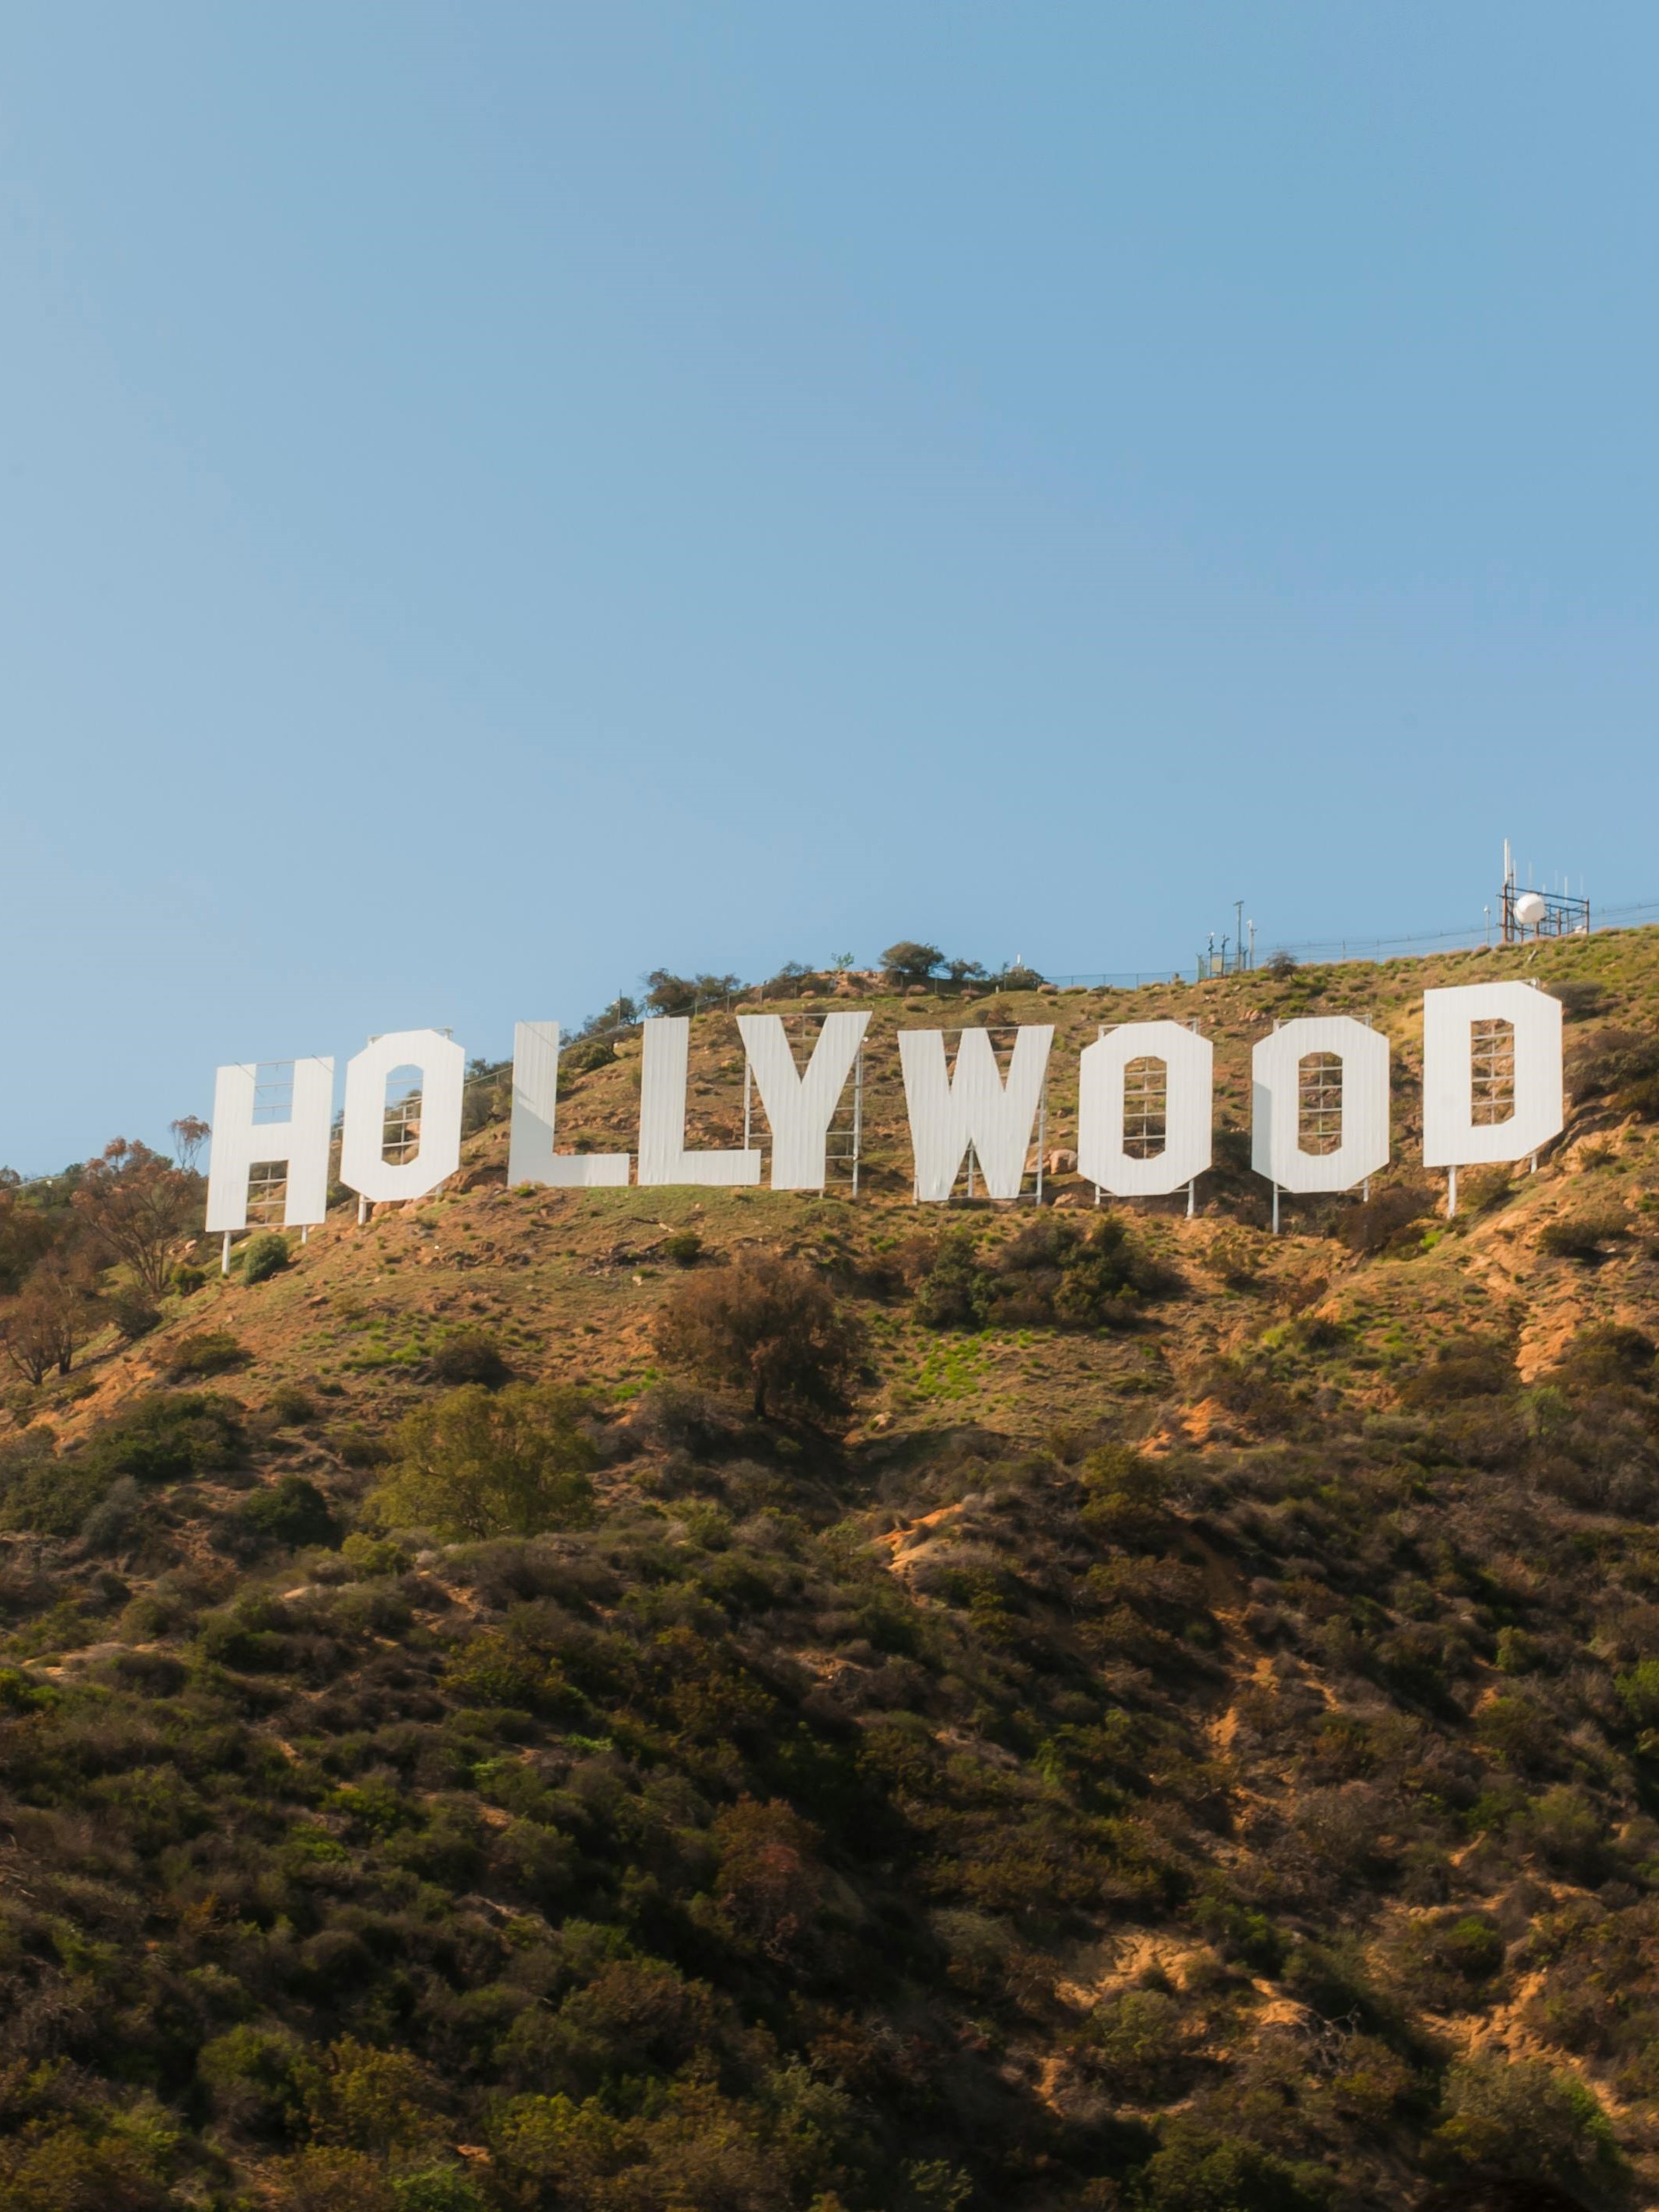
(1191,1744)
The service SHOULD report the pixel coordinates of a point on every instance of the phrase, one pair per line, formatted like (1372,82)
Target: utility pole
(1238,933)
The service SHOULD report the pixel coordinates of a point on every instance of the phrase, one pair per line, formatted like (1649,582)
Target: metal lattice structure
(1491,1072)
(1319,1103)
(1145,1108)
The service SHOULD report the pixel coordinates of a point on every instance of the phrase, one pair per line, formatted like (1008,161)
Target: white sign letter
(1340,1107)
(530,1154)
(1491,1073)
(1186,1061)
(800,1106)
(364,1165)
(970,1105)
(300,1143)
(663,1156)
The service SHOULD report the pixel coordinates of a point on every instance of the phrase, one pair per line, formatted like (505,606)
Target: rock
(475,1178)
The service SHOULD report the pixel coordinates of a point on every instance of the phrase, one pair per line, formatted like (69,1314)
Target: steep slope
(1196,1762)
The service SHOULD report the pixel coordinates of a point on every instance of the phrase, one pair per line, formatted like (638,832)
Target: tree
(26,1233)
(48,1321)
(768,1326)
(908,962)
(190,1133)
(485,1462)
(965,971)
(668,993)
(621,1014)
(136,1205)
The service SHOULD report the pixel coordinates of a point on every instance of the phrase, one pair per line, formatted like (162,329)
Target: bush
(186,1280)
(360,1446)
(1606,1355)
(1524,2119)
(1581,1236)
(581,1059)
(684,1248)
(133,1314)
(1390,1221)
(1622,1067)
(1052,1274)
(1638,1692)
(211,1352)
(263,1256)
(477,1464)
(290,1403)
(168,1437)
(769,1327)
(1196,2170)
(292,1512)
(468,1354)
(1465,1368)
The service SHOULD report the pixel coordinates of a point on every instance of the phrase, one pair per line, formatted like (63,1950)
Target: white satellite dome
(1531,908)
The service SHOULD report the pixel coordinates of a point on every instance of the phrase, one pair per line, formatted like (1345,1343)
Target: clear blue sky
(499,497)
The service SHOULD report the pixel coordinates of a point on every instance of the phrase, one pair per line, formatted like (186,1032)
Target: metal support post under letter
(1192,1198)
(1275,1209)
(1451,1192)
(858,1116)
(224,1257)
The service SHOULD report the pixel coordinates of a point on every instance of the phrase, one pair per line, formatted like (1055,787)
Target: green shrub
(684,1248)
(169,1437)
(290,1403)
(1135,2039)
(360,1446)
(211,1352)
(584,1056)
(513,1462)
(1051,1274)
(264,1256)
(291,1512)
(468,1354)
(1525,2119)
(248,2071)
(1196,2169)
(186,1280)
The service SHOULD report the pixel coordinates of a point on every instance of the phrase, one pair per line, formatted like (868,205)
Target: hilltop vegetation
(665,1701)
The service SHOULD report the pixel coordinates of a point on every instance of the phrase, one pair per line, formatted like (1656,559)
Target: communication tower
(1529,915)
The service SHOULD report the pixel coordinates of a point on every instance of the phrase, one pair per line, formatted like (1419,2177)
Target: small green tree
(479,1463)
(767,1326)
(908,962)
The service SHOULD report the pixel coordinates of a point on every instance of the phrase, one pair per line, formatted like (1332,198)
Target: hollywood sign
(1491,1092)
